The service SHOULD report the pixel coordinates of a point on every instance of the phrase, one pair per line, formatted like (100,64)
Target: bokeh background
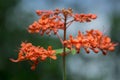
(17,15)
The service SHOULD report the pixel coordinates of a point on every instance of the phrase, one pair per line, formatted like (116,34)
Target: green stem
(64,52)
(64,68)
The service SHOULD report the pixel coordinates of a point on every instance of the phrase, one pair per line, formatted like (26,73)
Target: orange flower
(49,21)
(46,24)
(93,40)
(52,21)
(34,28)
(34,54)
(84,17)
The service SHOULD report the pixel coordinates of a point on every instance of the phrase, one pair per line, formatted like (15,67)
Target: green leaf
(73,51)
(60,51)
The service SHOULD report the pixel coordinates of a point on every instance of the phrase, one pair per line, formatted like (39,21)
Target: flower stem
(64,52)
(60,38)
(64,68)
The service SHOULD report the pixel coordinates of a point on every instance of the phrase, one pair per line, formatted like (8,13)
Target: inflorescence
(55,20)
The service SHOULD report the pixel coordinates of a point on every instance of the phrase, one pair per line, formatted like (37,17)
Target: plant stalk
(64,51)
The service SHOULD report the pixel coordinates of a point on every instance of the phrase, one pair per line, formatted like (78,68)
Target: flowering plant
(55,20)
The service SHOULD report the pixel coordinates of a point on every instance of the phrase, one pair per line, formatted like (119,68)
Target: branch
(69,23)
(59,38)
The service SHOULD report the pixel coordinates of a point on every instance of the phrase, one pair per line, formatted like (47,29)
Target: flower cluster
(93,40)
(53,20)
(48,21)
(34,54)
(84,17)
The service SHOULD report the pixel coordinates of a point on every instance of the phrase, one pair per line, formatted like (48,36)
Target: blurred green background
(17,15)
